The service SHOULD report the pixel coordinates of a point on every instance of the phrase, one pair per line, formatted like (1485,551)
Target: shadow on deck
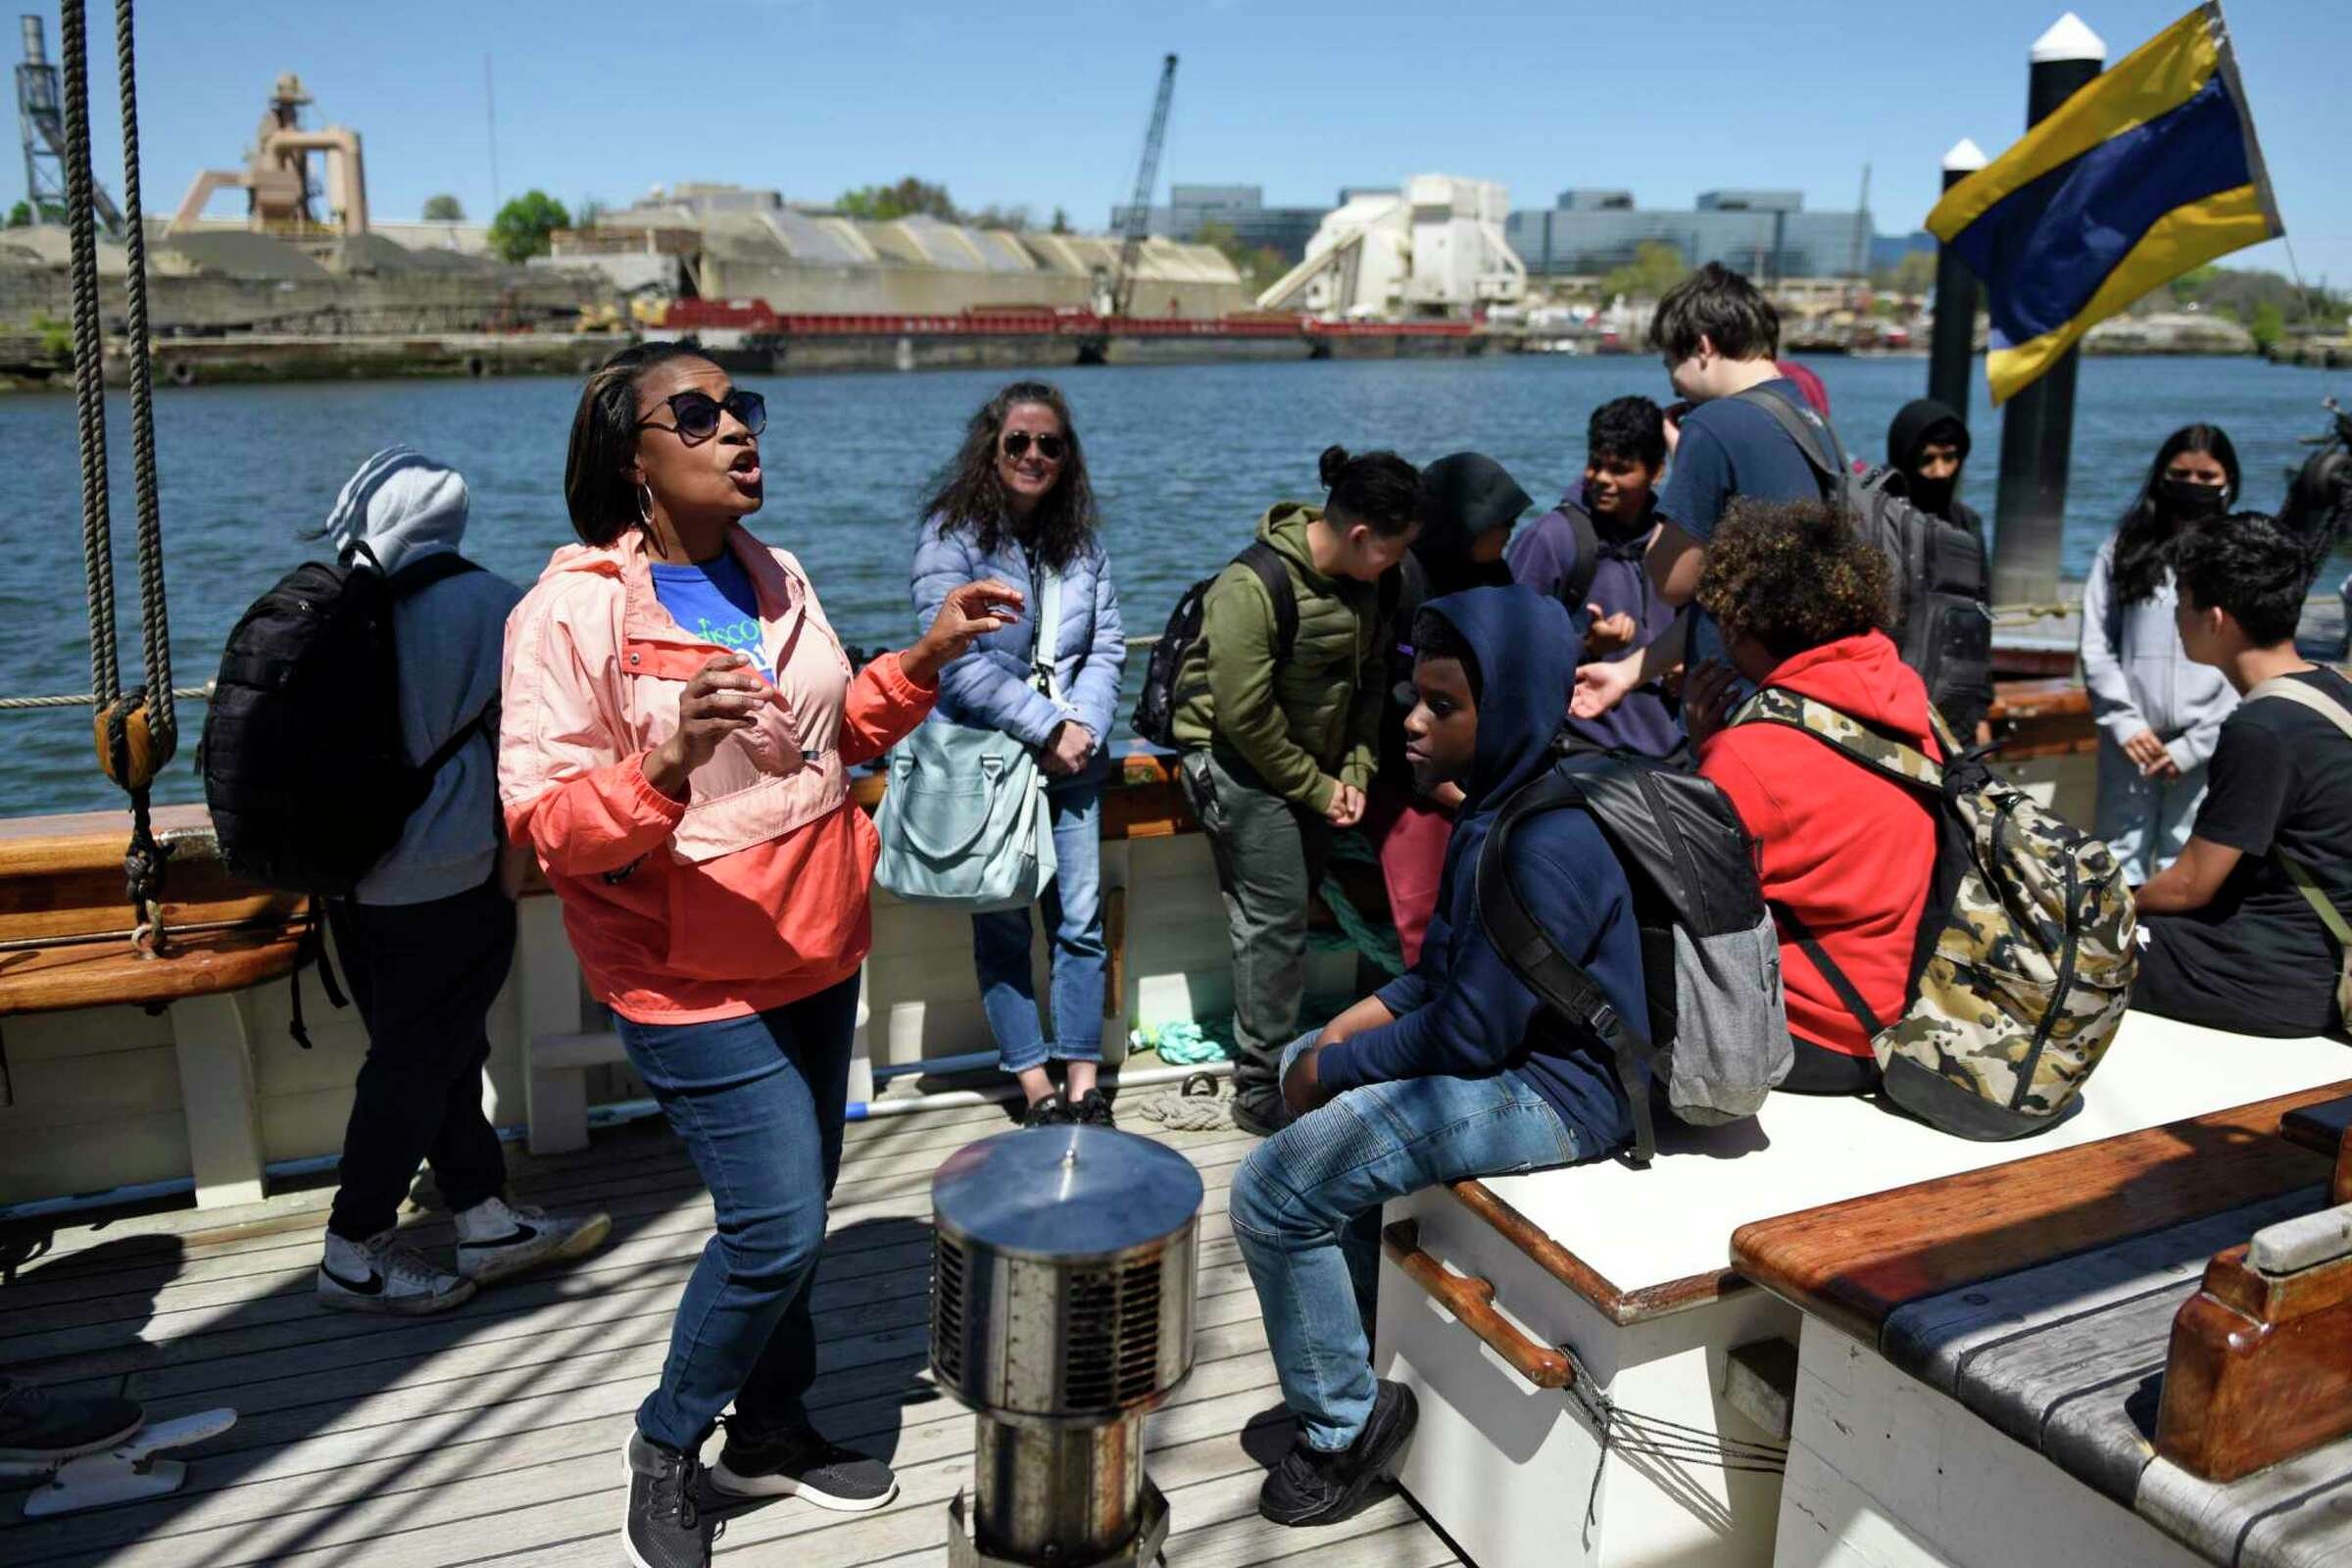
(493,1433)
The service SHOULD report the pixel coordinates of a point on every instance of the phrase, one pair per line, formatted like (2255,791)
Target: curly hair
(967,495)
(1793,576)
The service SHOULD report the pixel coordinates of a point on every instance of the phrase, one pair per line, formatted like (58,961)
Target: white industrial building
(1436,249)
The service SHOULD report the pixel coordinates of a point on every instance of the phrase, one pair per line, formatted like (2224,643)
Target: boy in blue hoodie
(426,938)
(1456,1069)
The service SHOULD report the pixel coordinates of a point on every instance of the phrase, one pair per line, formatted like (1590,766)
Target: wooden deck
(493,1433)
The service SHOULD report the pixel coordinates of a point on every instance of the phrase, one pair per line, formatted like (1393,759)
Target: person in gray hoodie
(2159,714)
(426,938)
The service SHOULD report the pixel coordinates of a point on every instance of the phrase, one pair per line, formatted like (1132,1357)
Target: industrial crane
(1147,177)
(1117,292)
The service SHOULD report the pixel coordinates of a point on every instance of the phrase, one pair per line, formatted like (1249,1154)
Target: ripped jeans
(1306,1212)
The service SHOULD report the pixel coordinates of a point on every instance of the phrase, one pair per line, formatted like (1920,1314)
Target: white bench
(558,1052)
(1630,1270)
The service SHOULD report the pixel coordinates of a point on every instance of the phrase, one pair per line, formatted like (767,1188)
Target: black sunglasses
(1048,447)
(697,414)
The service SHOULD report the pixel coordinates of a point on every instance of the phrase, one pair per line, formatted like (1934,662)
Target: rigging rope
(135,732)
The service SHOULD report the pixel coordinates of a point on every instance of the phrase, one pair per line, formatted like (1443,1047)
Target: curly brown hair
(1793,576)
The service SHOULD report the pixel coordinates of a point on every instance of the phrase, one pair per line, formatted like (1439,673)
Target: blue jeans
(1073,906)
(759,1103)
(1305,1211)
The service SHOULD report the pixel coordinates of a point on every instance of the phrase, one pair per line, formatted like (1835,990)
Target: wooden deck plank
(396,1443)
(257,1524)
(148,1261)
(901,1196)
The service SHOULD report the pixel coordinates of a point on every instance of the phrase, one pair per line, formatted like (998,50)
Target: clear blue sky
(1043,105)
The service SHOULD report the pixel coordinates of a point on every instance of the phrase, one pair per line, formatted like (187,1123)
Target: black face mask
(2187,500)
(1933,495)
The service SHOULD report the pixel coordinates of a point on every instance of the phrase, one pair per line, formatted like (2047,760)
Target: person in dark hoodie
(1453,1070)
(1470,503)
(428,937)
(1846,856)
(1927,445)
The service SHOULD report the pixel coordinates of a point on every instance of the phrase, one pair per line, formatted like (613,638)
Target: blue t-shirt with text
(714,601)
(1731,448)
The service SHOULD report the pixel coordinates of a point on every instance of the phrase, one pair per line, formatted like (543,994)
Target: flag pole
(2037,424)
(1953,346)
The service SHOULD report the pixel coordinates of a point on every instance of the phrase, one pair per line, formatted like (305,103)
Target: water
(1184,459)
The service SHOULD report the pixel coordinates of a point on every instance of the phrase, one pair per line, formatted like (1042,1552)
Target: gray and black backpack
(1716,1040)
(1941,581)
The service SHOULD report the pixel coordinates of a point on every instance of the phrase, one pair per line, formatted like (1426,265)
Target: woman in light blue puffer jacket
(1015,501)
(2159,715)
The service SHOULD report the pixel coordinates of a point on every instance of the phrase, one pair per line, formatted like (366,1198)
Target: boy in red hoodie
(1845,855)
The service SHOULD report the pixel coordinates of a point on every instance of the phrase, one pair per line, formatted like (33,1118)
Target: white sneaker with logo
(497,1238)
(381,1275)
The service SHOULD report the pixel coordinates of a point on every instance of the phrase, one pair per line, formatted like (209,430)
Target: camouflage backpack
(2026,949)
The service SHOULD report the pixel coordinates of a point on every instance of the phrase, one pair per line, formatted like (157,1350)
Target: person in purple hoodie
(1612,517)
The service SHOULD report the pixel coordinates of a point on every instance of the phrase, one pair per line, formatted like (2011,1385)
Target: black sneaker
(801,1464)
(39,1427)
(1261,1118)
(1309,1487)
(664,1527)
(1050,1112)
(1093,1109)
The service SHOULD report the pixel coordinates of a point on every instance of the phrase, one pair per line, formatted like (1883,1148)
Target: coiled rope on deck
(135,732)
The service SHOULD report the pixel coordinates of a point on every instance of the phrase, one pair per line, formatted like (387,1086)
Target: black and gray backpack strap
(309,949)
(1576,589)
(1264,560)
(1536,958)
(1814,435)
(1837,977)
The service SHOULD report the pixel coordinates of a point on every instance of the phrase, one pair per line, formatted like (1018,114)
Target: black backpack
(1941,581)
(305,769)
(1709,951)
(1154,717)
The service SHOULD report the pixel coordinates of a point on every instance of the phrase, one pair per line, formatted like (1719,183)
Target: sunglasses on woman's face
(697,414)
(1048,447)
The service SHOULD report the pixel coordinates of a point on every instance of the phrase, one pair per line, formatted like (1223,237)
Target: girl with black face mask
(2159,715)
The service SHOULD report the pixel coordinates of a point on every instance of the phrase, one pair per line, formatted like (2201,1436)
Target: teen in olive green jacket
(1278,752)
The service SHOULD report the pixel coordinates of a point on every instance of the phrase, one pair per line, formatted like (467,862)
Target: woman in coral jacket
(678,722)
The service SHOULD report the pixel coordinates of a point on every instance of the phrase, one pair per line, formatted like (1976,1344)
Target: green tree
(906,199)
(1061,222)
(444,208)
(520,231)
(992,215)
(2269,324)
(588,210)
(1915,273)
(22,216)
(1656,266)
(2190,286)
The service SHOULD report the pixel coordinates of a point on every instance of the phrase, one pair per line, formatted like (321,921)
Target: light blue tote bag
(963,819)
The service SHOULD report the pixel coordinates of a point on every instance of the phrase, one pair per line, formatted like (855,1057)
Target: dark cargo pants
(1271,857)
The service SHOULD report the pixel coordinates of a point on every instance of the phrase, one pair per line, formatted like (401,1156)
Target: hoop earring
(645,506)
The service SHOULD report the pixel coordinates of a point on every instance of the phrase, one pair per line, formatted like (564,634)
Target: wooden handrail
(1471,1303)
(1619,1307)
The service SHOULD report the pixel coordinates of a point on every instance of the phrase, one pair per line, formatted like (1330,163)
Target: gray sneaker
(381,1275)
(39,1427)
(497,1238)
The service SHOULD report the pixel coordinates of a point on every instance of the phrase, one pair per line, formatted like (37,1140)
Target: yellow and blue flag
(2150,170)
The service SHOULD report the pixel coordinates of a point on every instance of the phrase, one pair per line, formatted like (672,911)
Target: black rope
(154,625)
(89,349)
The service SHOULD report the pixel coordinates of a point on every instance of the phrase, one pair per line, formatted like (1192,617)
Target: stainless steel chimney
(1064,1266)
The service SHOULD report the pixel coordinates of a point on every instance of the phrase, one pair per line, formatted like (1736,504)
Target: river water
(1184,459)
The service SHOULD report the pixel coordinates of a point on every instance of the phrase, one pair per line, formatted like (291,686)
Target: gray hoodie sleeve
(2111,704)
